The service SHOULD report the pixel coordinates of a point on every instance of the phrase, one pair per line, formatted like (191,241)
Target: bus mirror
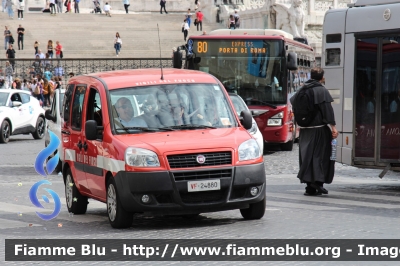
(246,119)
(197,60)
(292,61)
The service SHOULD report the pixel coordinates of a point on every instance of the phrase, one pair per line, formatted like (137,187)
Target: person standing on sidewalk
(162,4)
(53,7)
(7,34)
(199,17)
(107,9)
(59,50)
(126,5)
(21,7)
(59,4)
(117,43)
(76,5)
(10,55)
(316,167)
(188,17)
(20,32)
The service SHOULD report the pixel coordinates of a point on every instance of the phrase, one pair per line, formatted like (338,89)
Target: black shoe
(319,189)
(312,194)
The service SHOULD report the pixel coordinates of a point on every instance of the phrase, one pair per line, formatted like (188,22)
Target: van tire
(39,129)
(255,211)
(288,146)
(76,203)
(191,216)
(117,216)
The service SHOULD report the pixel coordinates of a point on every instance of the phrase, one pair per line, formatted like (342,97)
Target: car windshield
(170,107)
(3,98)
(238,104)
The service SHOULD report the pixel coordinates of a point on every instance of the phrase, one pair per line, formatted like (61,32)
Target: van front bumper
(168,190)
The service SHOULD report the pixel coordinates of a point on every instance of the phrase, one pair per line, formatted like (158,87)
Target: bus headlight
(249,150)
(141,157)
(276,120)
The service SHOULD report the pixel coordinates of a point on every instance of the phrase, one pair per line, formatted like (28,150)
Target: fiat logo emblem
(201,159)
(386,14)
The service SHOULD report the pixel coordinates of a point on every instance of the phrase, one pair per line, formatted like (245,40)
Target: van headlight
(249,150)
(253,129)
(141,157)
(276,120)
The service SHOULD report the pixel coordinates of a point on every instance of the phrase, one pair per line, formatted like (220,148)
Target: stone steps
(87,35)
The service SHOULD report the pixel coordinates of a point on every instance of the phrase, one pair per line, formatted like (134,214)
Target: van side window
(67,103)
(94,107)
(77,107)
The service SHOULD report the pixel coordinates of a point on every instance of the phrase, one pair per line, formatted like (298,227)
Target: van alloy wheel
(111,202)
(76,202)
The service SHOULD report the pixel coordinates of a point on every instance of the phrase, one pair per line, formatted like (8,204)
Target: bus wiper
(264,103)
(190,126)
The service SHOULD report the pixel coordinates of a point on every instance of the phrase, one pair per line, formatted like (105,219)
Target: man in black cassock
(316,168)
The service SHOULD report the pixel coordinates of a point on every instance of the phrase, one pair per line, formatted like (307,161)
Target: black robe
(315,143)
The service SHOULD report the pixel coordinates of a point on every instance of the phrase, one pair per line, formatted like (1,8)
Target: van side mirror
(91,130)
(246,119)
(49,116)
(292,61)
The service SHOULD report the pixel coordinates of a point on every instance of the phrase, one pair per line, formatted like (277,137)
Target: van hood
(186,140)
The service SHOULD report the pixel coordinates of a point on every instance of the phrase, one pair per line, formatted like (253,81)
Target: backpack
(303,106)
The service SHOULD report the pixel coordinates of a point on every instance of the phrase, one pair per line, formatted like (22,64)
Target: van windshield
(170,107)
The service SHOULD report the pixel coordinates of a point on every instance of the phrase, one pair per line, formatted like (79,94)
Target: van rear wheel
(117,216)
(76,203)
(255,211)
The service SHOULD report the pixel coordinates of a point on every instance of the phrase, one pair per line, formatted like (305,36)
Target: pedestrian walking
(59,50)
(52,7)
(313,113)
(162,5)
(59,4)
(126,5)
(107,9)
(9,6)
(189,17)
(76,6)
(185,29)
(10,55)
(67,4)
(50,48)
(11,39)
(197,4)
(3,5)
(199,17)
(20,32)
(117,43)
(21,7)
(7,33)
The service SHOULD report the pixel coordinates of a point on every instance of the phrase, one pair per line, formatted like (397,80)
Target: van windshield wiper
(190,126)
(146,129)
(264,103)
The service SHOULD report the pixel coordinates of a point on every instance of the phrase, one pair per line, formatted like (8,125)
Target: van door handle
(66,132)
(79,145)
(85,146)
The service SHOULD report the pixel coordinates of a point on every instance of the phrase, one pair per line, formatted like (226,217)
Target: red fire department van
(143,141)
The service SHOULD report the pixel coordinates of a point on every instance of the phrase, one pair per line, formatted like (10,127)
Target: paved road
(359,205)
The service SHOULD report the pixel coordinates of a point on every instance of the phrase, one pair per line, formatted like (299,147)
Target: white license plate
(205,185)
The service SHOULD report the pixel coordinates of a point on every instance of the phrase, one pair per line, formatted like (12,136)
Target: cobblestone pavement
(359,206)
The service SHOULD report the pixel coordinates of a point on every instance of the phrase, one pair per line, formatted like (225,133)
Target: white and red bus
(264,67)
(362,72)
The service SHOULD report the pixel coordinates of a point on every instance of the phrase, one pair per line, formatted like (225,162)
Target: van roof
(151,76)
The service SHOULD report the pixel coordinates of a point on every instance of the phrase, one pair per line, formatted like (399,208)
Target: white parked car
(20,113)
(240,106)
(54,122)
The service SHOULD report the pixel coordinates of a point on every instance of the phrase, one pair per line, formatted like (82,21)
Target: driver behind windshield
(125,113)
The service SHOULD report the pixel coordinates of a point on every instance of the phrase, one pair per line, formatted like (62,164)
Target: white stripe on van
(69,155)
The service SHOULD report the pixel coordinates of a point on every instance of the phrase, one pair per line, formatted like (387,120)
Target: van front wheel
(117,216)
(255,211)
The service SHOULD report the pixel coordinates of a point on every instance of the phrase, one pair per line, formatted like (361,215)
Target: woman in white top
(117,43)
(185,29)
(21,7)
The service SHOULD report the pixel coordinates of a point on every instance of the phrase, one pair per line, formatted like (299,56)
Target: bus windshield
(254,69)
